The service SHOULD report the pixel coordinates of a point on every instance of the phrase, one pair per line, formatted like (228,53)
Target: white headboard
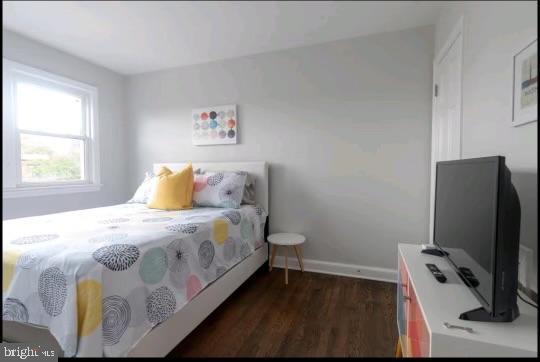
(258,169)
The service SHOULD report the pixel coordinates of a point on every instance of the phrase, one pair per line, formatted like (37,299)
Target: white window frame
(12,185)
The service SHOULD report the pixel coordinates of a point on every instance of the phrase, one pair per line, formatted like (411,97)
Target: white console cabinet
(424,305)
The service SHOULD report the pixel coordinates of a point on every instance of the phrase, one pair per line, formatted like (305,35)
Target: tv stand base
(481,315)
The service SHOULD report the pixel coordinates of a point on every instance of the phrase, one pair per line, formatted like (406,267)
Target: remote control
(468,276)
(432,250)
(436,273)
(435,252)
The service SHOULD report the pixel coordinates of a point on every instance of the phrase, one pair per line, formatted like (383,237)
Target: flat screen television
(476,226)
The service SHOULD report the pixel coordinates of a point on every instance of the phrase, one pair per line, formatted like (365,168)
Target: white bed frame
(162,339)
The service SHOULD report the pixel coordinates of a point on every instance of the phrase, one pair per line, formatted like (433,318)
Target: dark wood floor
(315,315)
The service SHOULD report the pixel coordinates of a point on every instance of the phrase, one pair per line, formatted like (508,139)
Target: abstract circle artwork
(193,287)
(219,123)
(220,231)
(177,256)
(160,305)
(206,253)
(182,228)
(220,270)
(153,266)
(9,260)
(117,257)
(52,290)
(231,193)
(28,260)
(199,183)
(14,310)
(215,179)
(33,239)
(88,306)
(233,216)
(247,230)
(116,317)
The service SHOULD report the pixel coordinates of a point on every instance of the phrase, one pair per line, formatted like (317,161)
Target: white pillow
(144,190)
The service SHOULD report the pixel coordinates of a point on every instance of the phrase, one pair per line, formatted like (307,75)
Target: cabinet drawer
(417,331)
(403,301)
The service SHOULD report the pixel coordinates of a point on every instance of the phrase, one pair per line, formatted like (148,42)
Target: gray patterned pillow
(219,189)
(248,198)
(249,191)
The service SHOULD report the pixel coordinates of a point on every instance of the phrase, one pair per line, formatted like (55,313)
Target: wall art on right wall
(525,93)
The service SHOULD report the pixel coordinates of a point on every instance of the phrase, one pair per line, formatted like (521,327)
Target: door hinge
(436,90)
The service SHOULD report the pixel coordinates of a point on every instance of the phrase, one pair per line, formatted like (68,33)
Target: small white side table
(287,240)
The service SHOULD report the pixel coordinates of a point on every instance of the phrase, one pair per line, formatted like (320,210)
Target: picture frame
(217,125)
(525,85)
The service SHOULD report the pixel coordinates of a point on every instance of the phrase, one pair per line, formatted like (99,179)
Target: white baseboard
(348,270)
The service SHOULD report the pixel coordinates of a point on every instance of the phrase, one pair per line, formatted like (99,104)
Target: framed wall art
(214,125)
(525,94)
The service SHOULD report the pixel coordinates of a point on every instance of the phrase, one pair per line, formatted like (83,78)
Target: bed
(126,280)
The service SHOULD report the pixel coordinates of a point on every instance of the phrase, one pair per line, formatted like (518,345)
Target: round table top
(286,239)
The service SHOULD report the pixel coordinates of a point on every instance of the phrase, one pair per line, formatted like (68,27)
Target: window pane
(46,159)
(48,110)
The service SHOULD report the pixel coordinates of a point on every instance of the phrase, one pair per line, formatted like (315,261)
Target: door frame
(455,35)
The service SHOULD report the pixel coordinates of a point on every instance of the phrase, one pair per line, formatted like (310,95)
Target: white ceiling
(142,36)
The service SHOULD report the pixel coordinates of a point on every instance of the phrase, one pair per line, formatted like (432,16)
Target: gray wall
(345,126)
(111,127)
(493,33)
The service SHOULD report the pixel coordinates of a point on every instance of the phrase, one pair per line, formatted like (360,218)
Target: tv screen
(465,221)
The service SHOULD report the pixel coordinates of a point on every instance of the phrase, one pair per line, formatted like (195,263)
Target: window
(49,133)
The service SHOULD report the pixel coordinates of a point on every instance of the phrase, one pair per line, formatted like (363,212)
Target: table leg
(274,249)
(286,266)
(399,352)
(299,257)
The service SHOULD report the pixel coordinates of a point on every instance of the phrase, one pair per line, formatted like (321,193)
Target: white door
(446,119)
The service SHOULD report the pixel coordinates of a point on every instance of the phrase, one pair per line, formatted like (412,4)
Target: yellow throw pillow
(164,171)
(172,191)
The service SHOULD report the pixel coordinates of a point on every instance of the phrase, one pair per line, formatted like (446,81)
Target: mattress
(101,279)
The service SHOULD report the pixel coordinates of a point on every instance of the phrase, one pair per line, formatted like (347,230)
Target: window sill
(32,191)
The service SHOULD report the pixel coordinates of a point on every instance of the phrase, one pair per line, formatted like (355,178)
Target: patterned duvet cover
(100,279)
